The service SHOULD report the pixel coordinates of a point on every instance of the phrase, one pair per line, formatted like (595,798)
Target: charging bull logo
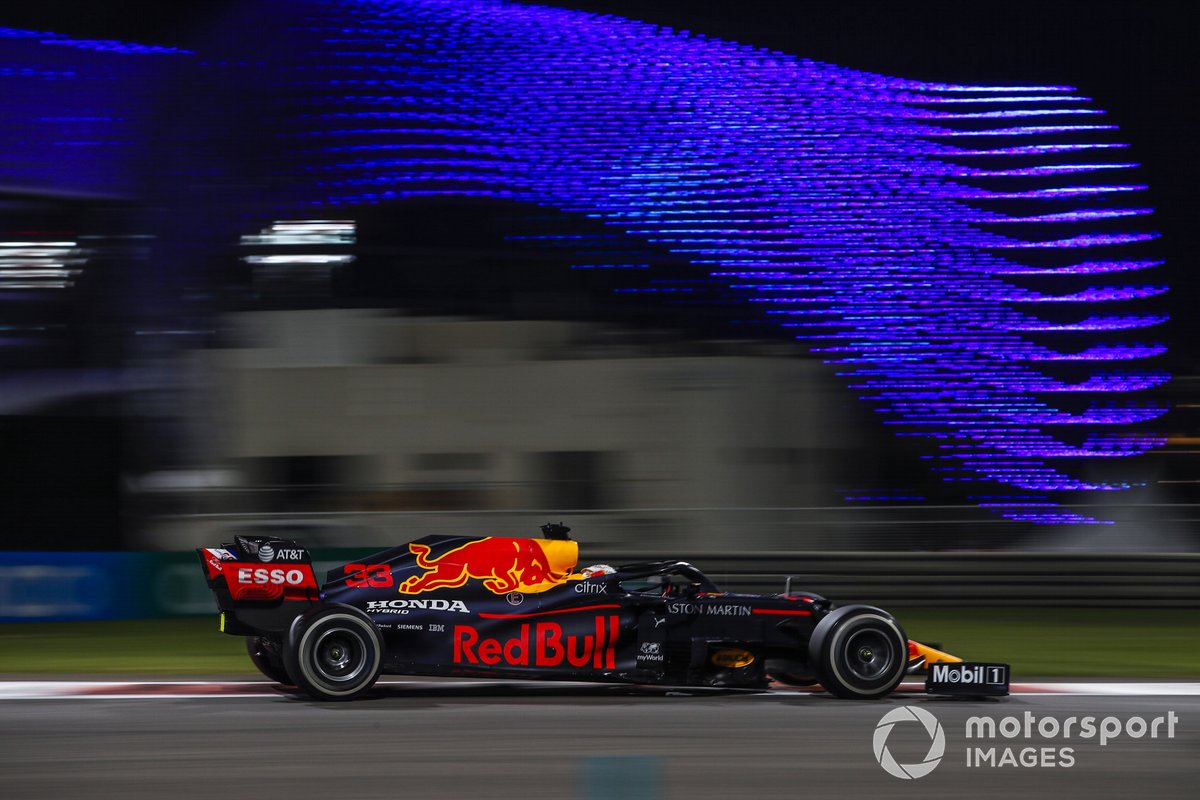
(504,565)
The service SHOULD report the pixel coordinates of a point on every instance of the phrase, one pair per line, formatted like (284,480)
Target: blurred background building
(448,421)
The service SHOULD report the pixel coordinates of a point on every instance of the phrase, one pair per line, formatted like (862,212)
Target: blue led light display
(825,199)
(927,253)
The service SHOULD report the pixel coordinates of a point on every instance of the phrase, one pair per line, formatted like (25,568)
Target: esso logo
(278,577)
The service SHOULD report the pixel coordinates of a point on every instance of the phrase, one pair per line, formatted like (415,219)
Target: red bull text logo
(504,565)
(543,644)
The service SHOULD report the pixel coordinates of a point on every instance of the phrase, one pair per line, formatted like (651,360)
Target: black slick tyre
(268,660)
(333,653)
(861,653)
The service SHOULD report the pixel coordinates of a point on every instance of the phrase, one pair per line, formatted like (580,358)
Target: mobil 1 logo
(967,678)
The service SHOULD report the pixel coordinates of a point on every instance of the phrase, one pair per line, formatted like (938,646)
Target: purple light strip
(808,195)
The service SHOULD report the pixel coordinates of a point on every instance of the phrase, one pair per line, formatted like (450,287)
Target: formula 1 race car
(517,608)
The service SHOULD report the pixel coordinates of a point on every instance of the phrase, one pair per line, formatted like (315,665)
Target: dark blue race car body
(516,608)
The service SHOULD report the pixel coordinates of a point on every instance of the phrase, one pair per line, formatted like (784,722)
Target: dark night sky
(1137,60)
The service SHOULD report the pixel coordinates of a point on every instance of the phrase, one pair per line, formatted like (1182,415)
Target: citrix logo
(937,742)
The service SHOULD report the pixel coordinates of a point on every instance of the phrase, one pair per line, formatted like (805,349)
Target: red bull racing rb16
(519,608)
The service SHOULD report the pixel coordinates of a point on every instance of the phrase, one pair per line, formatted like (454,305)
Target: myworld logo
(937,742)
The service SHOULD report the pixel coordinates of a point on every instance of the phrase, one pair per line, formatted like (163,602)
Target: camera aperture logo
(937,742)
(1013,741)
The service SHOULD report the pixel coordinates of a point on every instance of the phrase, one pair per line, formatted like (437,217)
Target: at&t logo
(937,742)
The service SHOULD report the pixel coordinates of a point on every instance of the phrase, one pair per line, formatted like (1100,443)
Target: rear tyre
(334,653)
(268,660)
(861,653)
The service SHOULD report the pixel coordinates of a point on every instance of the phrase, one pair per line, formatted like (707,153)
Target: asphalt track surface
(432,739)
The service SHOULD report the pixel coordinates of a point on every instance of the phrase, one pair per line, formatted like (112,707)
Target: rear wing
(261,583)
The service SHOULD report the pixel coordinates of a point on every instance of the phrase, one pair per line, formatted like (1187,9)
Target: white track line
(123,690)
(1119,689)
(178,690)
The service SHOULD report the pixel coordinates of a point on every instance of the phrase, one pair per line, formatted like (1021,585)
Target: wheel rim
(338,655)
(868,654)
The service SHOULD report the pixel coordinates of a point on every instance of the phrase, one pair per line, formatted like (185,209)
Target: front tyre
(334,653)
(861,653)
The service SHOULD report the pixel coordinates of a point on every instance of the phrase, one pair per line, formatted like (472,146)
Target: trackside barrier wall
(70,586)
(56,587)
(125,585)
(972,579)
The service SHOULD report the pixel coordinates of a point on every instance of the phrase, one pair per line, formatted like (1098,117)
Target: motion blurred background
(187,356)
